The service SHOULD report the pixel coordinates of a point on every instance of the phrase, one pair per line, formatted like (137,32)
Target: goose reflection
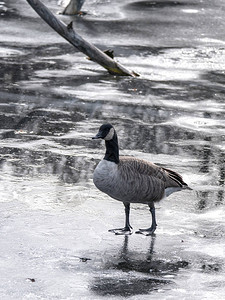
(144,262)
(133,263)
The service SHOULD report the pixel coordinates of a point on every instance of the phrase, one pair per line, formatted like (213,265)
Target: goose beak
(98,136)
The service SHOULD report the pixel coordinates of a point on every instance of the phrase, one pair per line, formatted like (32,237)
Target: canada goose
(132,180)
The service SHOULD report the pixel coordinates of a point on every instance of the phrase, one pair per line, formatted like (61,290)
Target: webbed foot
(122,231)
(147,231)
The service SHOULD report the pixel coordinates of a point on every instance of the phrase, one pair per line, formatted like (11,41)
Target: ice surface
(53,221)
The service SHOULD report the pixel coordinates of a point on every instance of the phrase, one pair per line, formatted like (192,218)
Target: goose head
(106,132)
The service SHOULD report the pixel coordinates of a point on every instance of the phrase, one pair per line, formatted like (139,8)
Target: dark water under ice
(53,221)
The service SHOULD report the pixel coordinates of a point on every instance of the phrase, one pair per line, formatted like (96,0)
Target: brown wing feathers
(171,178)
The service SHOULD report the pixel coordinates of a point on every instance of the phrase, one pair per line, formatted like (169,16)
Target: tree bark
(77,41)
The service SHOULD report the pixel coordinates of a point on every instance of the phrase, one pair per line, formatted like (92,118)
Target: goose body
(132,180)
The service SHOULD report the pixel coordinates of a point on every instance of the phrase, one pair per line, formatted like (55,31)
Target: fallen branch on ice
(77,41)
(72,7)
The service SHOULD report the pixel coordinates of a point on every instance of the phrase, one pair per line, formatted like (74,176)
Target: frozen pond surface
(53,221)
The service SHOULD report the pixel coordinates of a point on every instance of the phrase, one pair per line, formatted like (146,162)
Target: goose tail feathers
(177,178)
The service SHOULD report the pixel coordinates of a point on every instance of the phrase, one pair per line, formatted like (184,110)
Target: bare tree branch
(73,7)
(77,41)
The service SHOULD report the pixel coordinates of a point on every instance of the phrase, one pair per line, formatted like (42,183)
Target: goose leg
(150,230)
(127,230)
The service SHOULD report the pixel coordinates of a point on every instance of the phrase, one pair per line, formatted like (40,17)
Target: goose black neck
(112,150)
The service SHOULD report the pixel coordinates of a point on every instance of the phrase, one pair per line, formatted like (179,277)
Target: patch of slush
(7,52)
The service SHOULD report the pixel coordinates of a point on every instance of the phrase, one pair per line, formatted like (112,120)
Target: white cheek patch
(109,135)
